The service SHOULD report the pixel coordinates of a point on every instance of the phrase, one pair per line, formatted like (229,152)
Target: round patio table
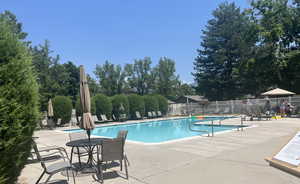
(89,145)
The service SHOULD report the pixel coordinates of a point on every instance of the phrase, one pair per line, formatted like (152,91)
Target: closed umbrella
(50,114)
(50,108)
(86,121)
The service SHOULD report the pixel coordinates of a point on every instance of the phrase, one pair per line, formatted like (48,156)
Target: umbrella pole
(89,134)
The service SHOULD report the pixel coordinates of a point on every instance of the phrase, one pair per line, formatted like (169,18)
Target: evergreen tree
(228,42)
(18,104)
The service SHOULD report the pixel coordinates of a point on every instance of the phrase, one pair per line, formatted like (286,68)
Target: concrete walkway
(229,158)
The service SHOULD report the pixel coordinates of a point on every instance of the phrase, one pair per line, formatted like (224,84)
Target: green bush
(136,103)
(62,108)
(151,103)
(102,105)
(18,105)
(162,104)
(117,102)
(79,109)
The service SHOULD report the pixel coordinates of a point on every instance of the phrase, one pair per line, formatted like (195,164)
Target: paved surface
(229,158)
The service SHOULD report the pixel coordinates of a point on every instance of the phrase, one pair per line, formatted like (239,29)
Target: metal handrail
(206,131)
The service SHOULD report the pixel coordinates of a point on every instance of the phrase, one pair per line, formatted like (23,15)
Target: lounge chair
(154,114)
(55,167)
(79,151)
(138,115)
(58,122)
(159,114)
(103,118)
(95,118)
(122,117)
(114,117)
(112,150)
(150,115)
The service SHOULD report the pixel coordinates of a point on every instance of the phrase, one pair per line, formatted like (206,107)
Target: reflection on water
(158,131)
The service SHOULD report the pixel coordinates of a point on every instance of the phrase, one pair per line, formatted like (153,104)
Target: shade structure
(86,121)
(278,92)
(50,108)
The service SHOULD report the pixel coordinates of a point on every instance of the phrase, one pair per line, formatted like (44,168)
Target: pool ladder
(206,131)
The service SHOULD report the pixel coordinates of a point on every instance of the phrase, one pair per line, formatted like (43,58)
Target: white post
(232,107)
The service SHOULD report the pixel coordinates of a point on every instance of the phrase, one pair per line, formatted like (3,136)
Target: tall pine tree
(227,43)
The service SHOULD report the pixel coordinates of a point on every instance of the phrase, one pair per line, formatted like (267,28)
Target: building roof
(192,98)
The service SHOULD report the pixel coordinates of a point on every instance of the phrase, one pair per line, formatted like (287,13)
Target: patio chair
(159,114)
(58,122)
(52,153)
(95,118)
(79,150)
(112,150)
(123,134)
(154,114)
(114,117)
(138,115)
(150,115)
(55,167)
(103,118)
(122,117)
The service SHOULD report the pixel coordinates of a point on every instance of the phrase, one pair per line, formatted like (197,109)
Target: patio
(232,157)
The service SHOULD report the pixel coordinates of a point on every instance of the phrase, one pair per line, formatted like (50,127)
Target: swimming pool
(160,131)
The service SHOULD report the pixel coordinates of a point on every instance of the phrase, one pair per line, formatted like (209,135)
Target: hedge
(102,105)
(62,108)
(79,109)
(117,102)
(18,104)
(151,103)
(136,103)
(162,104)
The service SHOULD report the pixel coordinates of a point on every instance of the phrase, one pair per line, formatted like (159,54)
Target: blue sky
(90,32)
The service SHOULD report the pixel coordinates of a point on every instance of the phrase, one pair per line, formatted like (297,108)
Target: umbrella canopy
(50,108)
(277,92)
(86,122)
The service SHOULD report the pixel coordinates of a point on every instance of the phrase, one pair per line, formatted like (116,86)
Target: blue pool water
(160,131)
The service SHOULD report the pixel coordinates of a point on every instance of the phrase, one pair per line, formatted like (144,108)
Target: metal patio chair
(78,151)
(112,150)
(55,167)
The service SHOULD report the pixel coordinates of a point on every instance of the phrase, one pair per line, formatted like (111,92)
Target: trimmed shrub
(162,104)
(151,103)
(136,103)
(18,105)
(79,109)
(62,108)
(102,105)
(119,101)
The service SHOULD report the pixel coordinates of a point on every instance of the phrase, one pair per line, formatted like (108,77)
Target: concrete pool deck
(229,158)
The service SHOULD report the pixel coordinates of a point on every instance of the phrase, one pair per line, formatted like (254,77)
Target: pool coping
(163,142)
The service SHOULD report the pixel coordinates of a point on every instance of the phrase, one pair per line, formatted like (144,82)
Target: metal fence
(232,106)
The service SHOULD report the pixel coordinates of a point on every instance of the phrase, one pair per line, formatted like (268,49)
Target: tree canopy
(249,51)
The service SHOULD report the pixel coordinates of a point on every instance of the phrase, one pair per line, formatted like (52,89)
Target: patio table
(89,146)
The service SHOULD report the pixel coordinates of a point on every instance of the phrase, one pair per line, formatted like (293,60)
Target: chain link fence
(234,106)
